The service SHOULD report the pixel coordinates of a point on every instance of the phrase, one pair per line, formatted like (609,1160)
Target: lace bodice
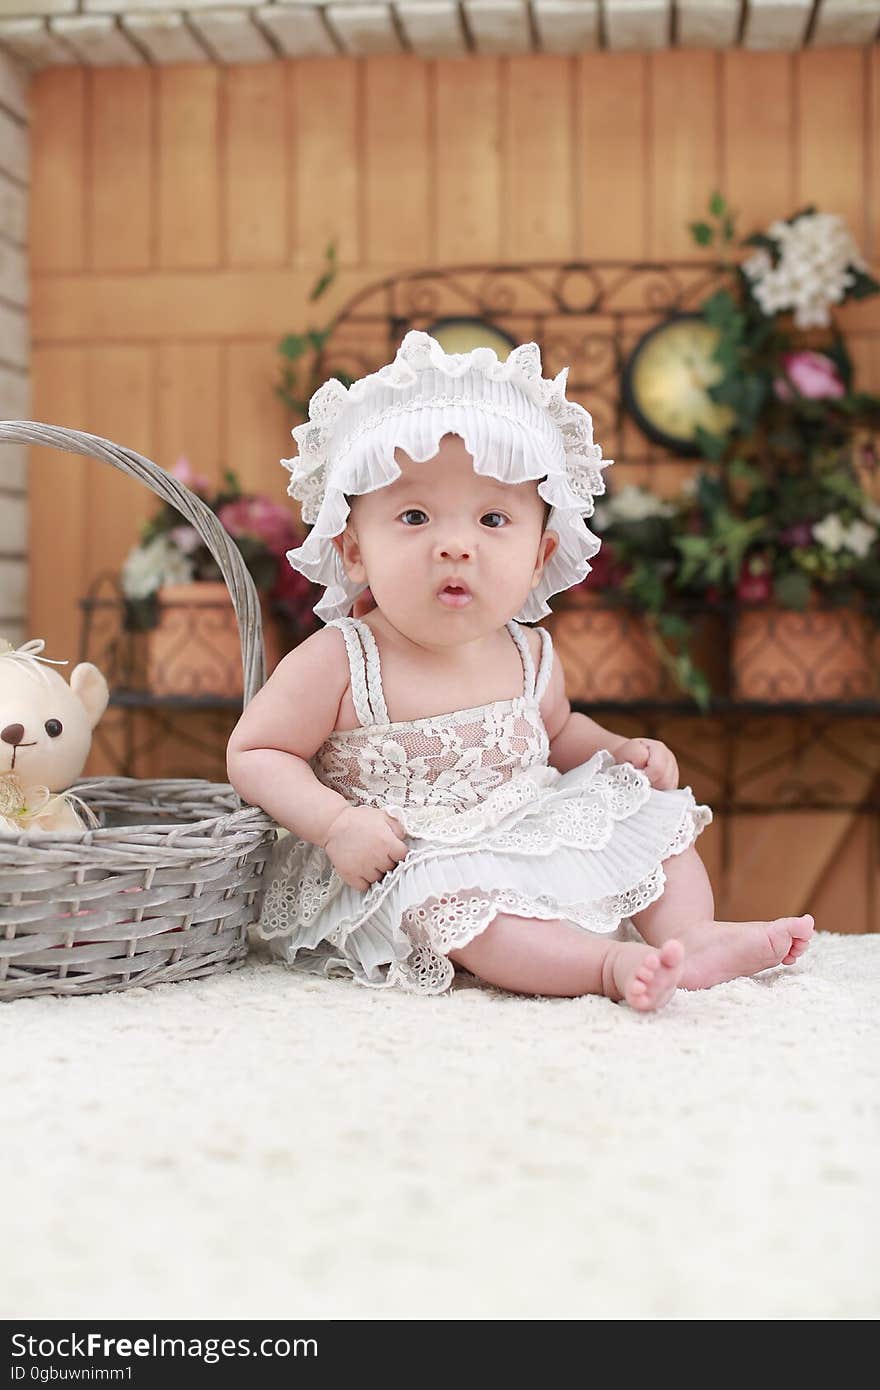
(449,760)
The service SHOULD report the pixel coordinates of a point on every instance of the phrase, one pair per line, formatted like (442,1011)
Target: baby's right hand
(363,843)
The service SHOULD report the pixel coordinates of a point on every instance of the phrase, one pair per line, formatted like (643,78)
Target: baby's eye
(494,519)
(420,516)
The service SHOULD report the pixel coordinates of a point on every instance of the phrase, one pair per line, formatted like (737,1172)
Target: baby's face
(449,555)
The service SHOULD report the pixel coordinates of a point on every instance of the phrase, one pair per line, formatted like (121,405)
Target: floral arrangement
(170,551)
(800,456)
(786,508)
(644,564)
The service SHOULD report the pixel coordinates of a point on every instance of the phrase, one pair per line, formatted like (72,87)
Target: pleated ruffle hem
(585,846)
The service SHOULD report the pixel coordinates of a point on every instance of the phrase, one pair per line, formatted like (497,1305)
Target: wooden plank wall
(179,216)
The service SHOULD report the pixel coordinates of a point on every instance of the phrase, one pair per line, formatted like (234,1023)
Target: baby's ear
(90,688)
(547,548)
(349,549)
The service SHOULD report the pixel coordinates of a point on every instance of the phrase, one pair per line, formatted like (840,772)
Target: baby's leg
(534,957)
(716,951)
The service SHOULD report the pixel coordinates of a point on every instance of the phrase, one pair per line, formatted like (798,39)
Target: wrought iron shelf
(146,700)
(722,706)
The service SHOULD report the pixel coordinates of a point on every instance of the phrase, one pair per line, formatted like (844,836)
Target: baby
(445,804)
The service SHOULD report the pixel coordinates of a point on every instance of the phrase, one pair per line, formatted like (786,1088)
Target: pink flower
(293,589)
(606,571)
(295,597)
(813,374)
(755,582)
(800,533)
(196,482)
(261,518)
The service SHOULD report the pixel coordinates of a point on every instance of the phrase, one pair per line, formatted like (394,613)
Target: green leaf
(324,282)
(793,590)
(702,233)
(712,446)
(294,345)
(698,686)
(802,212)
(646,587)
(673,625)
(717,205)
(321,285)
(764,242)
(720,309)
(863,286)
(743,470)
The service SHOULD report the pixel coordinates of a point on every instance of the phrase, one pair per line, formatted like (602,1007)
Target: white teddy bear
(45,735)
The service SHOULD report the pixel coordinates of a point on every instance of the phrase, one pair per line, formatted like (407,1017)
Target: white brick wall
(14,383)
(112,32)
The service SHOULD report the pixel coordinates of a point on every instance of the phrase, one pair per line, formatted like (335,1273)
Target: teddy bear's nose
(13,733)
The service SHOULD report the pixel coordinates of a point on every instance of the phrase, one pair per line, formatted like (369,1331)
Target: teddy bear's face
(45,724)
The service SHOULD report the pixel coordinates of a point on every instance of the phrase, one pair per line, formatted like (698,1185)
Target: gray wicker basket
(166,888)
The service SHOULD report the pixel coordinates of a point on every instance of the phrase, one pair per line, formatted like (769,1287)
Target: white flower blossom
(857,537)
(186,538)
(150,566)
(632,503)
(815,268)
(860,537)
(830,532)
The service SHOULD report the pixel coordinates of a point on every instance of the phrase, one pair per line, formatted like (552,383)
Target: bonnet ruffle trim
(516,424)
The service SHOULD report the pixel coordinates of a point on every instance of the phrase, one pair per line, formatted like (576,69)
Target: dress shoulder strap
(546,665)
(373,672)
(522,642)
(363,666)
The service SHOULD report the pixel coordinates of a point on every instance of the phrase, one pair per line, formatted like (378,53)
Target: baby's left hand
(653,758)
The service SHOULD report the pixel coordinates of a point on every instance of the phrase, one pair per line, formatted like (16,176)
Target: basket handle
(227,555)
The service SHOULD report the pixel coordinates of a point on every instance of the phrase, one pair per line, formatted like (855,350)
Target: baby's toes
(798,947)
(671,953)
(640,984)
(800,930)
(655,981)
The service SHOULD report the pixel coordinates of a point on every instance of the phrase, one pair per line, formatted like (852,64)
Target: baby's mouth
(454,594)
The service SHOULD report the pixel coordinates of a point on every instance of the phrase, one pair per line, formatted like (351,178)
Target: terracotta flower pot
(821,654)
(195,648)
(607,653)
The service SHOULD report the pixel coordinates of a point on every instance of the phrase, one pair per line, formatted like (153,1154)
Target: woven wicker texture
(166,888)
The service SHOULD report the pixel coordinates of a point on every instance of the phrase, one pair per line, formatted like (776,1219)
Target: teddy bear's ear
(91,690)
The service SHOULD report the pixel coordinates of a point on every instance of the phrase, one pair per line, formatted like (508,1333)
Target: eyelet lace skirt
(585,846)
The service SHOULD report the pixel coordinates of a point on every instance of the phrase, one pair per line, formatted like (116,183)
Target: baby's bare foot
(719,951)
(644,976)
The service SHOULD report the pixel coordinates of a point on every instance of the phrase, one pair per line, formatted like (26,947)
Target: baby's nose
(453,550)
(13,733)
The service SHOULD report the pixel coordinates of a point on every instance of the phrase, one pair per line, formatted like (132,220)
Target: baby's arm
(267,760)
(282,727)
(574,738)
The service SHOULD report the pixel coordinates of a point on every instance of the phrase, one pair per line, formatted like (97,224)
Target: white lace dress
(490,828)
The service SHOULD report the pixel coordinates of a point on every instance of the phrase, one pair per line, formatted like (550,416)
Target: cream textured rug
(262,1144)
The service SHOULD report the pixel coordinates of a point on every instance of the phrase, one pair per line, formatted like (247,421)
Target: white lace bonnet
(516,425)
